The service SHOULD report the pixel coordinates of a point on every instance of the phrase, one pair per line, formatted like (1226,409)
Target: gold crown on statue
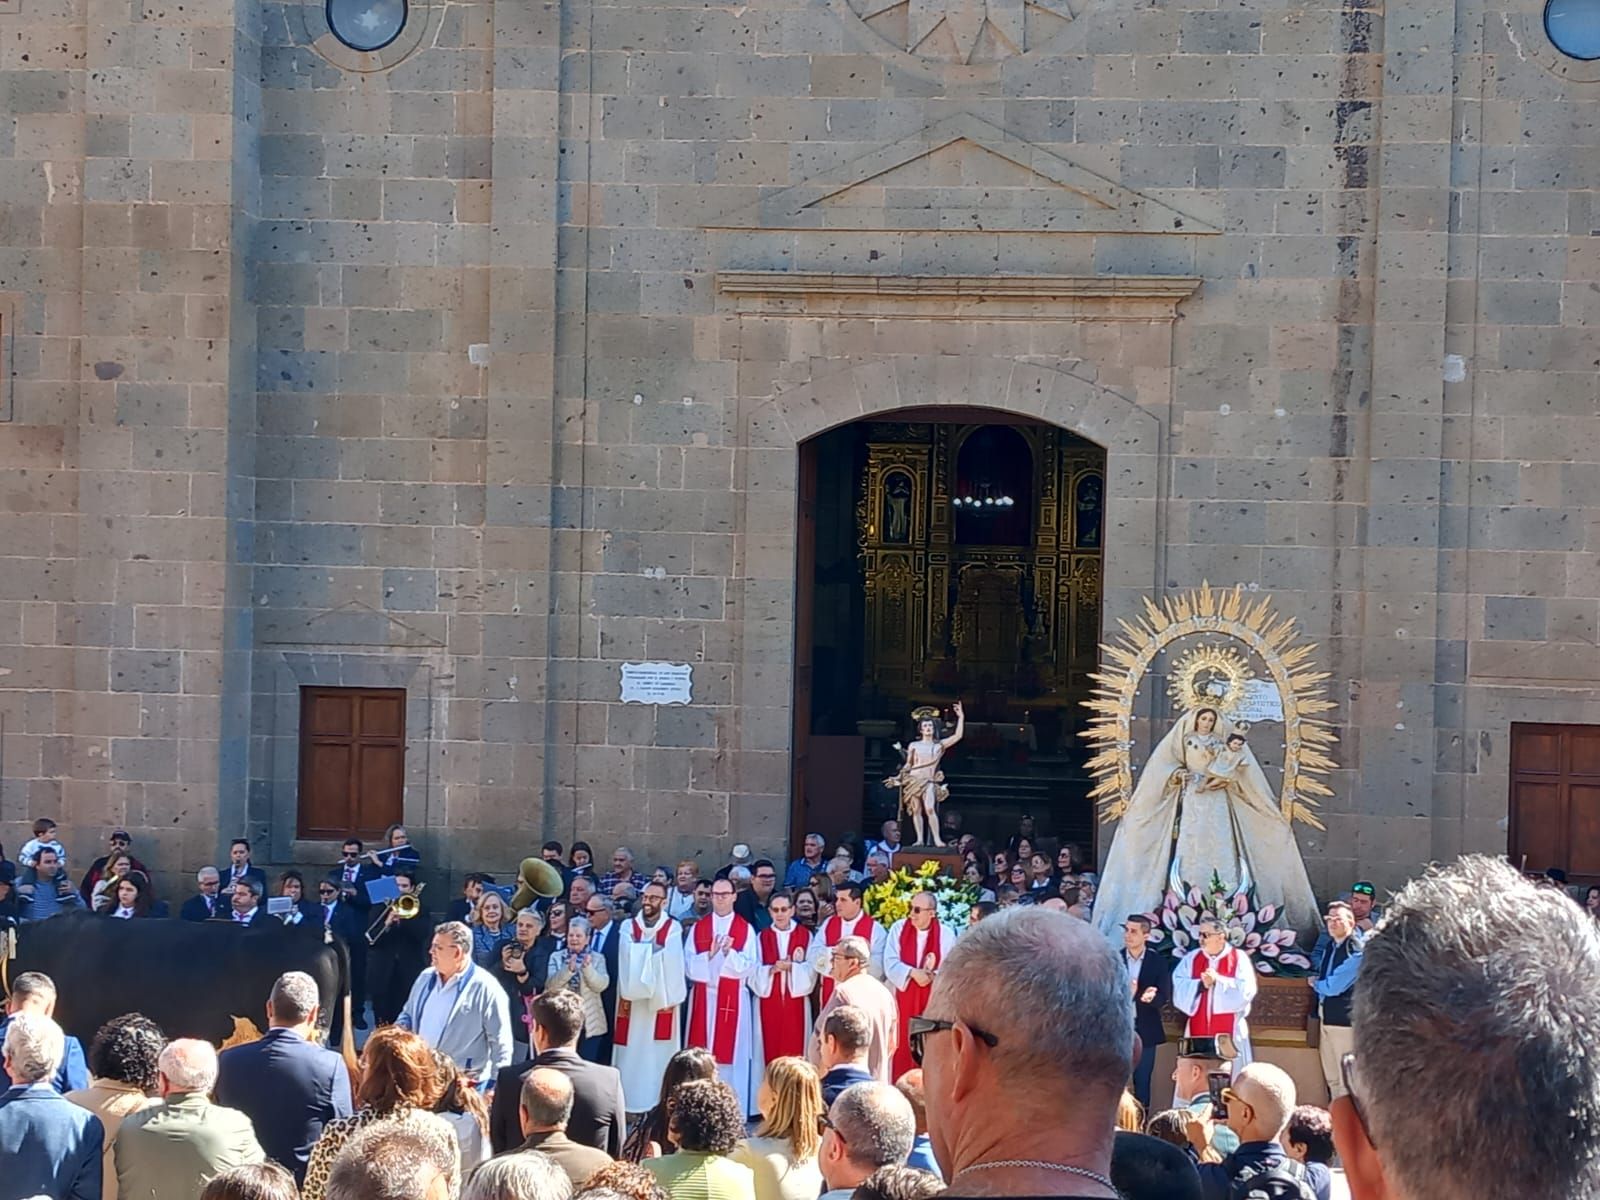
(926,712)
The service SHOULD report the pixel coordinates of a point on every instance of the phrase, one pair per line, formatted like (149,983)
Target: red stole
(1206,1023)
(783,1015)
(624,1007)
(729,992)
(913,998)
(834,932)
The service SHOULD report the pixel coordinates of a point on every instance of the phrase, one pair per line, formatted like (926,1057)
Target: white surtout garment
(1239,831)
(652,979)
(1230,995)
(710,969)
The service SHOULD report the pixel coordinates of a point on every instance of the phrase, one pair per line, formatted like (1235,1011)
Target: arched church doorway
(947,555)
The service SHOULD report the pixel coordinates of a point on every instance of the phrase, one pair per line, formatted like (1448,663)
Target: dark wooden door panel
(1583,754)
(1555,799)
(352,760)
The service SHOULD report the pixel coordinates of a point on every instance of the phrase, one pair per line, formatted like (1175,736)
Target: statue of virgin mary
(1203,806)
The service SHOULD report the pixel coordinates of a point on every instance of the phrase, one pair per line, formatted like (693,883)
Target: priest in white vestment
(913,952)
(651,989)
(1216,985)
(721,955)
(783,982)
(849,919)
(853,986)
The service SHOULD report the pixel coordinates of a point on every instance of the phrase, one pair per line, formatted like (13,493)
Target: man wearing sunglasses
(1025,1047)
(1260,1102)
(914,949)
(1364,906)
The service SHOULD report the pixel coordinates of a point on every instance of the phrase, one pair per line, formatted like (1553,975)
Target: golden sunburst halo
(1216,613)
(1209,674)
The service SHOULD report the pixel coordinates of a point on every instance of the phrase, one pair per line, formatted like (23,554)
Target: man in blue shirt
(810,863)
(44,889)
(35,992)
(1336,959)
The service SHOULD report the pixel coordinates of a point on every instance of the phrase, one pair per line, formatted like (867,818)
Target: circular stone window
(368,25)
(1573,27)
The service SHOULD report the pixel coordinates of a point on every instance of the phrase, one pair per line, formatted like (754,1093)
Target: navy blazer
(599,1116)
(1154,972)
(841,1077)
(50,1146)
(365,873)
(255,873)
(289,1088)
(195,908)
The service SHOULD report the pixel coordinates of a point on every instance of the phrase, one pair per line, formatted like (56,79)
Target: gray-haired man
(1025,1047)
(459,1008)
(1474,1072)
(870,1125)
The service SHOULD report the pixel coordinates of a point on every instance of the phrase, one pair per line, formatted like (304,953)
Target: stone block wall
(433,366)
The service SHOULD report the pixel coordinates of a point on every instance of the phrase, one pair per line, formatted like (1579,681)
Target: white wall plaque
(657,683)
(1261,702)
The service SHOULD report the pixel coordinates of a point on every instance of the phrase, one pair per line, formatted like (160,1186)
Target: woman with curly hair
(649,1136)
(124,1079)
(783,1152)
(118,867)
(399,1086)
(628,1179)
(705,1123)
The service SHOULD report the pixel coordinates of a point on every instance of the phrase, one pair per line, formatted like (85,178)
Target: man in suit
(48,1145)
(349,879)
(1150,985)
(246,903)
(844,1044)
(599,1118)
(605,939)
(287,1085)
(35,992)
(174,1148)
(397,957)
(208,905)
(546,1109)
(240,868)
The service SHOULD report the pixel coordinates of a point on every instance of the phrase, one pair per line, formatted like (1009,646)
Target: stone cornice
(997,296)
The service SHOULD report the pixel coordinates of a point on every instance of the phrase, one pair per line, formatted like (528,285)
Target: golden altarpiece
(981,550)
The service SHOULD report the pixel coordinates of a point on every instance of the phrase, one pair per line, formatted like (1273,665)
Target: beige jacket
(111,1102)
(592,983)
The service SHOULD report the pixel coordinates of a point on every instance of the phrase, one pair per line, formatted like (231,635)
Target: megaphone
(536,879)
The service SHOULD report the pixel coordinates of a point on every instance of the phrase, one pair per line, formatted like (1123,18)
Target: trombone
(406,907)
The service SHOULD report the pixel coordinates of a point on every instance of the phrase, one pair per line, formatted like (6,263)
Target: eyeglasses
(1347,1075)
(766,875)
(824,1124)
(921,908)
(919,1028)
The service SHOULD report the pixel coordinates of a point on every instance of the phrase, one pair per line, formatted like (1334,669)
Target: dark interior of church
(944,557)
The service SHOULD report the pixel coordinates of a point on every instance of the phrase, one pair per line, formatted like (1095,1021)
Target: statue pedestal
(912,857)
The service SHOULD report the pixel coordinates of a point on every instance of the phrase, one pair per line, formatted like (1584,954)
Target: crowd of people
(752,1033)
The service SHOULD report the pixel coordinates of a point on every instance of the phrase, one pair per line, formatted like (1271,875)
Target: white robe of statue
(1181,828)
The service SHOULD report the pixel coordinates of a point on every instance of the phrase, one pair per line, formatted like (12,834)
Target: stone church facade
(466,369)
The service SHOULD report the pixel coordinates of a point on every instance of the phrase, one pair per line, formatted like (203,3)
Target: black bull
(190,977)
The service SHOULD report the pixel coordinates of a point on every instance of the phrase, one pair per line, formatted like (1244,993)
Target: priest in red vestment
(722,955)
(783,982)
(913,951)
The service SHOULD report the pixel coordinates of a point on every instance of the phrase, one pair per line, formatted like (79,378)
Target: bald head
(546,1101)
(1268,1093)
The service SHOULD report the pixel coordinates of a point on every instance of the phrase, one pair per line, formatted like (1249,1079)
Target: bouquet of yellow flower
(890,901)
